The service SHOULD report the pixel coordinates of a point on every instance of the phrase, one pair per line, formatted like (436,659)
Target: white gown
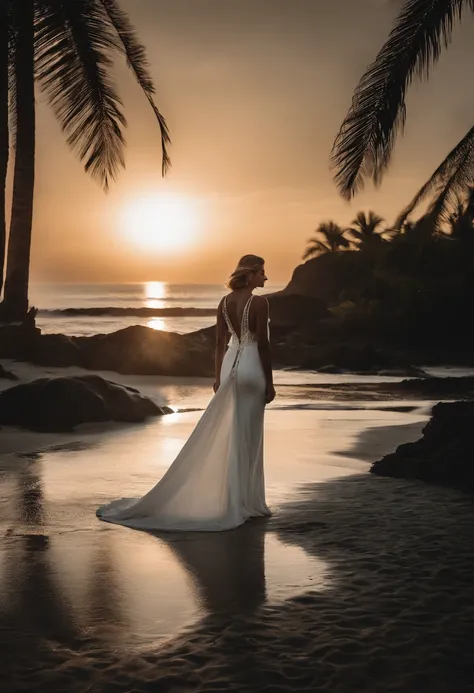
(217,480)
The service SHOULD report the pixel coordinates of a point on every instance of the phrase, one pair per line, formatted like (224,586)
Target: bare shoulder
(260,304)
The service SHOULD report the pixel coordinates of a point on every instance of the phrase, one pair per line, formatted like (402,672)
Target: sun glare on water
(155,293)
(155,297)
(161,223)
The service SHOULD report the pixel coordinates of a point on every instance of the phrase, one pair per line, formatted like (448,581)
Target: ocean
(87,309)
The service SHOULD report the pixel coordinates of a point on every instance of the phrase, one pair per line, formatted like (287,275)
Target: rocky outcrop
(7,375)
(18,341)
(61,404)
(134,350)
(290,310)
(445,453)
(437,388)
(310,353)
(332,277)
(141,350)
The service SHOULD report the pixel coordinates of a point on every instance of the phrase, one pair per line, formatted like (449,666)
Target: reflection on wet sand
(32,607)
(227,569)
(118,587)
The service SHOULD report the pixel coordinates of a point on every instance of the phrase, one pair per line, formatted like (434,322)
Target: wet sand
(356,583)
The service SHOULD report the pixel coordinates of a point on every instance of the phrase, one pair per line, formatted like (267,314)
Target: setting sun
(167,223)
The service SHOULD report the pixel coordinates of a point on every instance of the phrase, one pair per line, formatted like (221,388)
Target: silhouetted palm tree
(329,238)
(366,229)
(68,46)
(364,145)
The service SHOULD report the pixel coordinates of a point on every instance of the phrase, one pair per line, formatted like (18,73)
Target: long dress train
(217,481)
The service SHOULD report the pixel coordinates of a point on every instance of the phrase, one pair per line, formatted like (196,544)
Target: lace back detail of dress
(246,337)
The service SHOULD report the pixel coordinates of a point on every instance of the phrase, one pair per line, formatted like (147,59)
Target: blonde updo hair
(247,265)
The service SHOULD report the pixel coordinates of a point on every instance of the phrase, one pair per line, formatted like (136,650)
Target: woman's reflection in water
(227,569)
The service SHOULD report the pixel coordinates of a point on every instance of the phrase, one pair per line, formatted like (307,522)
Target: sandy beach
(355,583)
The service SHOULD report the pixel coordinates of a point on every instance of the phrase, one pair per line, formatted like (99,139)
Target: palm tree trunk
(4,143)
(19,242)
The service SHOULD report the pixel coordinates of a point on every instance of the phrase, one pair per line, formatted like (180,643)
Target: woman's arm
(264,349)
(221,345)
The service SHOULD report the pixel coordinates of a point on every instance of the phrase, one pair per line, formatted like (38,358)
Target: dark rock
(354,357)
(290,310)
(60,404)
(141,350)
(445,453)
(18,341)
(330,368)
(7,375)
(332,277)
(406,372)
(56,350)
(134,350)
(438,388)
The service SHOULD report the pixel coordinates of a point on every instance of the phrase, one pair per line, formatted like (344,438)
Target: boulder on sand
(60,404)
(445,453)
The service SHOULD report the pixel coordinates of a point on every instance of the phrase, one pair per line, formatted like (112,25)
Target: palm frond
(455,160)
(135,54)
(401,221)
(366,225)
(364,145)
(73,49)
(374,220)
(470,201)
(356,235)
(446,200)
(333,236)
(315,248)
(452,179)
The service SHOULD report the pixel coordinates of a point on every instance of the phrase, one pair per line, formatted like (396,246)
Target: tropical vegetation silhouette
(329,237)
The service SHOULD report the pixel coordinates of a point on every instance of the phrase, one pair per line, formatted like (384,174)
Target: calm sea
(86,309)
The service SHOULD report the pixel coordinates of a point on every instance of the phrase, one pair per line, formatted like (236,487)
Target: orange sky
(254,92)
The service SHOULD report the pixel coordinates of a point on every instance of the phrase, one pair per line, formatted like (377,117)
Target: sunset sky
(254,92)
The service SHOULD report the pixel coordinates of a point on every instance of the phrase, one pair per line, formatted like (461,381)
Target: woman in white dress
(217,480)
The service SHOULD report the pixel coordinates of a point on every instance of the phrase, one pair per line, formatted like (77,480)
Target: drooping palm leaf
(460,222)
(451,179)
(135,53)
(365,141)
(74,43)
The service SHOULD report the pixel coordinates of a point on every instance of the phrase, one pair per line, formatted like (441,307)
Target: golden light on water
(155,293)
(156,324)
(161,223)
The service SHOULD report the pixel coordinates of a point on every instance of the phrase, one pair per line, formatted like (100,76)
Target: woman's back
(238,307)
